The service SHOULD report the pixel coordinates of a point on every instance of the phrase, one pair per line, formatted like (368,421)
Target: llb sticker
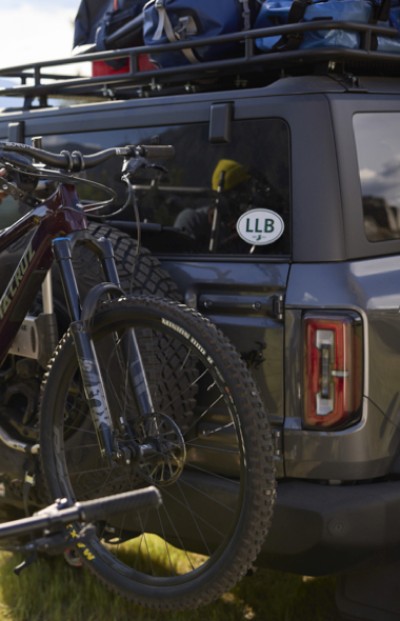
(260,227)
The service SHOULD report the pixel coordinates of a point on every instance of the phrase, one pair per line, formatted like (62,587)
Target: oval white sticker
(260,227)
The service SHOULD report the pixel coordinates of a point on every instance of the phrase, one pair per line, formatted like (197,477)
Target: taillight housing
(333,369)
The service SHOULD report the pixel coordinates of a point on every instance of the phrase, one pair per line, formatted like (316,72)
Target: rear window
(378,150)
(224,198)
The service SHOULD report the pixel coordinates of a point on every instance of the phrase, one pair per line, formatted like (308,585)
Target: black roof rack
(39,80)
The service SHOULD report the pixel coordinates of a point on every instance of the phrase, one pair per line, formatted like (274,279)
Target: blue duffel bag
(282,12)
(169,21)
(387,13)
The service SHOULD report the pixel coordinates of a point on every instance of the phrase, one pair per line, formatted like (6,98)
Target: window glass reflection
(378,149)
(195,206)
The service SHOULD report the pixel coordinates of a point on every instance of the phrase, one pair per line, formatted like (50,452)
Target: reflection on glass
(378,149)
(195,206)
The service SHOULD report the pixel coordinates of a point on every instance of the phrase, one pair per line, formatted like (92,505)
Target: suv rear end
(315,308)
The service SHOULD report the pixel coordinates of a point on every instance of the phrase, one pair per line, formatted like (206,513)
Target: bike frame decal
(78,543)
(16,279)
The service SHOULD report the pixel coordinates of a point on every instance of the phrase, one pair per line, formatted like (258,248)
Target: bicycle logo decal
(12,288)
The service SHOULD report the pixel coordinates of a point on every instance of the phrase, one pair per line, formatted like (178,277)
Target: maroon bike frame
(60,223)
(58,216)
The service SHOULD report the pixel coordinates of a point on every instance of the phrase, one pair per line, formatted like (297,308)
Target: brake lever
(11,188)
(132,165)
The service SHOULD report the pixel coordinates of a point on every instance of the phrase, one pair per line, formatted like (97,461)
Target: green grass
(50,590)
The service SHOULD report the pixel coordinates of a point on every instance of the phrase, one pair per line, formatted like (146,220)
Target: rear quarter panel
(367,449)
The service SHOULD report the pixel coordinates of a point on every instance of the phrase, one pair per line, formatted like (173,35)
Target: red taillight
(332,369)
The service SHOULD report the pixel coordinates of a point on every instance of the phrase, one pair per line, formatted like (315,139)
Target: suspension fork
(137,372)
(81,316)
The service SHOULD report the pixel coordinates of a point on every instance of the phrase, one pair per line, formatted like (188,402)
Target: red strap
(115,5)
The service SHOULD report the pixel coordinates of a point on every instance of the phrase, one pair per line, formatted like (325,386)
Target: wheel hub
(163,457)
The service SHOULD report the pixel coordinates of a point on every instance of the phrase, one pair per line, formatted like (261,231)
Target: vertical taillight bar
(332,370)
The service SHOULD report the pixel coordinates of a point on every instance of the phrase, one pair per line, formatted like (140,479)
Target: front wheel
(208,449)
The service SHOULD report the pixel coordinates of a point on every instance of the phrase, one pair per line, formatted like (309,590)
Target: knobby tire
(213,463)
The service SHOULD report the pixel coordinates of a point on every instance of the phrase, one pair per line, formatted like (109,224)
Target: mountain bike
(139,391)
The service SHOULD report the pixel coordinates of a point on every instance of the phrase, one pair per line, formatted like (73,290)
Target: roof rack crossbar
(38,78)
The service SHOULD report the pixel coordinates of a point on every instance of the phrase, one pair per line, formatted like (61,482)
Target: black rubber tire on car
(140,271)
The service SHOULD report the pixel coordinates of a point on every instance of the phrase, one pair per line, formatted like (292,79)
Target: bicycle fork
(81,316)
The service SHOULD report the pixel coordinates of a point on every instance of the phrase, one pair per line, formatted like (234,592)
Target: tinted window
(196,205)
(378,150)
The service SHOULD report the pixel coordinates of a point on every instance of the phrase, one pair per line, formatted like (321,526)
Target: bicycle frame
(61,212)
(48,218)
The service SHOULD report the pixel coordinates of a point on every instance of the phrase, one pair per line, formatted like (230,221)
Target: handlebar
(101,509)
(62,512)
(75,161)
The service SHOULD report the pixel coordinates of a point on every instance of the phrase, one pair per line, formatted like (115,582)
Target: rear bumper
(320,529)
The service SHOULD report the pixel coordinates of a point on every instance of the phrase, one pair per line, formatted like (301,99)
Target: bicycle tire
(215,470)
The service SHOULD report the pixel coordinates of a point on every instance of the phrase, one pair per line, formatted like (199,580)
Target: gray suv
(279,219)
